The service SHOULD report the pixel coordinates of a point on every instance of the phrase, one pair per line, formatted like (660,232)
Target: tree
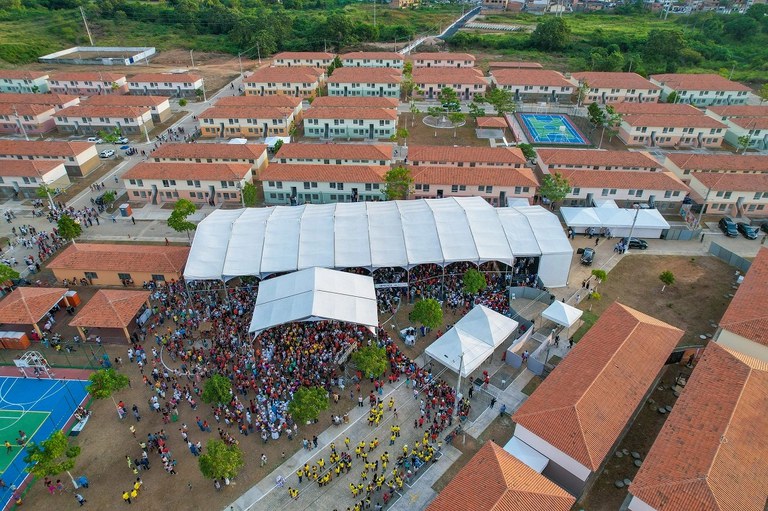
(595,115)
(277,145)
(249,195)
(398,183)
(46,192)
(611,122)
(457,119)
(51,457)
(182,102)
(414,112)
(475,111)
(69,229)
(600,275)
(371,360)
(501,100)
(109,197)
(744,141)
(667,278)
(307,403)
(221,461)
(581,93)
(178,219)
(449,99)
(106,382)
(400,133)
(673,97)
(427,312)
(217,390)
(551,35)
(554,187)
(763,92)
(663,50)
(7,273)
(528,151)
(474,281)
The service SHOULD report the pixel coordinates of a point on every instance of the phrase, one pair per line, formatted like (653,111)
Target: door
(381,91)
(265,130)
(430,93)
(355,196)
(346,91)
(154,194)
(211,195)
(221,129)
(370,131)
(325,131)
(439,194)
(503,199)
(293,192)
(466,93)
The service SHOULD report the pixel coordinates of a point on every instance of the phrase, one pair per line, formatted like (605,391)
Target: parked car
(107,153)
(95,140)
(588,256)
(728,226)
(634,243)
(749,231)
(121,140)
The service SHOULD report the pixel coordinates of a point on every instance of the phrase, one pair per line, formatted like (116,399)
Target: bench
(79,426)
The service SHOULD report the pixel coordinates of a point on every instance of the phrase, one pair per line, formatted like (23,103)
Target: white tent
(649,224)
(475,336)
(315,294)
(562,314)
(262,241)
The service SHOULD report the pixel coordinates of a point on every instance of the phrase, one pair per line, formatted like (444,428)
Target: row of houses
(100,83)
(394,60)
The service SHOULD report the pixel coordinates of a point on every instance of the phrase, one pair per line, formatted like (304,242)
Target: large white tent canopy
(315,294)
(562,314)
(472,340)
(262,241)
(649,222)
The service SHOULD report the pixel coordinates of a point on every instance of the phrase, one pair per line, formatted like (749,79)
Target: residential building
(466,81)
(736,194)
(670,130)
(743,121)
(495,480)
(405,4)
(580,412)
(22,178)
(701,89)
(514,65)
(105,264)
(355,102)
(253,154)
(21,81)
(442,59)
(705,457)
(276,101)
(556,160)
(319,59)
(168,182)
(459,156)
(159,106)
(80,158)
(494,184)
(341,123)
(496,4)
(335,154)
(88,83)
(655,109)
(321,184)
(89,120)
(742,327)
(350,81)
(246,122)
(373,59)
(25,118)
(178,85)
(661,190)
(683,164)
(617,87)
(533,84)
(58,101)
(302,82)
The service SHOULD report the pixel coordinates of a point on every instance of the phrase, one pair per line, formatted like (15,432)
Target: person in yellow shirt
(134,494)
(321,463)
(300,474)
(127,497)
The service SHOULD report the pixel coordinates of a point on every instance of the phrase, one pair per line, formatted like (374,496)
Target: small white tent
(562,314)
(315,294)
(472,340)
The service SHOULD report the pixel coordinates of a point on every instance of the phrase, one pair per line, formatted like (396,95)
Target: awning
(562,314)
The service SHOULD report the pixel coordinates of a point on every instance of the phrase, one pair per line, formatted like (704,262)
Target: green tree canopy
(501,100)
(398,183)
(667,278)
(178,219)
(554,187)
(663,50)
(551,35)
(474,281)
(46,192)
(475,111)
(600,275)
(68,228)
(307,403)
(106,382)
(7,273)
(371,360)
(528,151)
(51,457)
(449,99)
(216,390)
(249,195)
(595,114)
(109,196)
(427,312)
(221,461)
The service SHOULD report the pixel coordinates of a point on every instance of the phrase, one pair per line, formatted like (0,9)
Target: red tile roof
(603,80)
(732,182)
(28,168)
(350,113)
(750,123)
(492,122)
(366,75)
(165,78)
(425,154)
(110,308)
(673,121)
(304,55)
(494,176)
(431,56)
(21,74)
(460,75)
(336,151)
(294,74)
(515,65)
(720,162)
(86,76)
(494,480)
(655,108)
(747,314)
(592,157)
(324,173)
(246,112)
(530,77)
(121,258)
(710,455)
(36,99)
(624,179)
(25,109)
(186,171)
(109,111)
(275,100)
(355,102)
(125,100)
(698,82)
(372,55)
(28,305)
(42,148)
(216,151)
(584,405)
(740,110)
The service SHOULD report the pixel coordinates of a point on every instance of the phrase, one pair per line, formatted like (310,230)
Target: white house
(743,121)
(319,59)
(351,81)
(463,156)
(701,89)
(495,185)
(373,59)
(533,84)
(737,194)
(159,106)
(88,83)
(21,81)
(441,59)
(348,123)
(555,160)
(616,87)
(22,178)
(57,101)
(246,122)
(275,101)
(89,120)
(253,154)
(335,154)
(320,184)
(80,158)
(466,81)
(303,82)
(166,84)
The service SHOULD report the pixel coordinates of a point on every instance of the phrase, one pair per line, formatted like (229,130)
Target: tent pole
(458,386)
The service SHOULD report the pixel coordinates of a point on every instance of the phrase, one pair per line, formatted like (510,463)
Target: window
(418,186)
(425,188)
(667,194)
(124,276)
(158,278)
(454,188)
(639,193)
(631,192)
(90,275)
(306,185)
(605,192)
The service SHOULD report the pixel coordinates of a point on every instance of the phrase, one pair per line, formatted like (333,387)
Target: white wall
(742,345)
(551,452)
(638,505)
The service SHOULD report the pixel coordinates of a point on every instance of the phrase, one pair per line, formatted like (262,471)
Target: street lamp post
(632,229)
(458,386)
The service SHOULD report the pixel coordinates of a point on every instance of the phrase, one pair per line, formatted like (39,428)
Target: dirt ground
(422,134)
(698,297)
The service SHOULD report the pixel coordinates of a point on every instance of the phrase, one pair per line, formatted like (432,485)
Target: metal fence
(81,356)
(729,257)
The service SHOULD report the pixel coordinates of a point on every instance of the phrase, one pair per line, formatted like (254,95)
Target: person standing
(493,401)
(80,499)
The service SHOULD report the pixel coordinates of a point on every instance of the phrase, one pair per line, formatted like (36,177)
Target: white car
(107,153)
(121,140)
(95,140)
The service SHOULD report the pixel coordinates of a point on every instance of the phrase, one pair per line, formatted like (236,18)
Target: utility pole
(21,123)
(85,22)
(240,61)
(258,52)
(192,59)
(374,13)
(146,133)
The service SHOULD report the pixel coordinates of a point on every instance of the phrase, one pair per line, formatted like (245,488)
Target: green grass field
(11,421)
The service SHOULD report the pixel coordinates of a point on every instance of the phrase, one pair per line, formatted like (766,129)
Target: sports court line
(29,438)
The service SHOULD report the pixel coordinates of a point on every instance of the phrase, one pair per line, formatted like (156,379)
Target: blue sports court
(551,129)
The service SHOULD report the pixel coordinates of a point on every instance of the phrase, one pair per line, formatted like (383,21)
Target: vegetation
(51,457)
(551,35)
(554,187)
(600,275)
(501,100)
(46,192)
(307,403)
(667,278)
(427,312)
(249,195)
(398,183)
(474,281)
(528,151)
(221,461)
(7,273)
(68,228)
(178,219)
(371,360)
(217,390)
(106,382)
